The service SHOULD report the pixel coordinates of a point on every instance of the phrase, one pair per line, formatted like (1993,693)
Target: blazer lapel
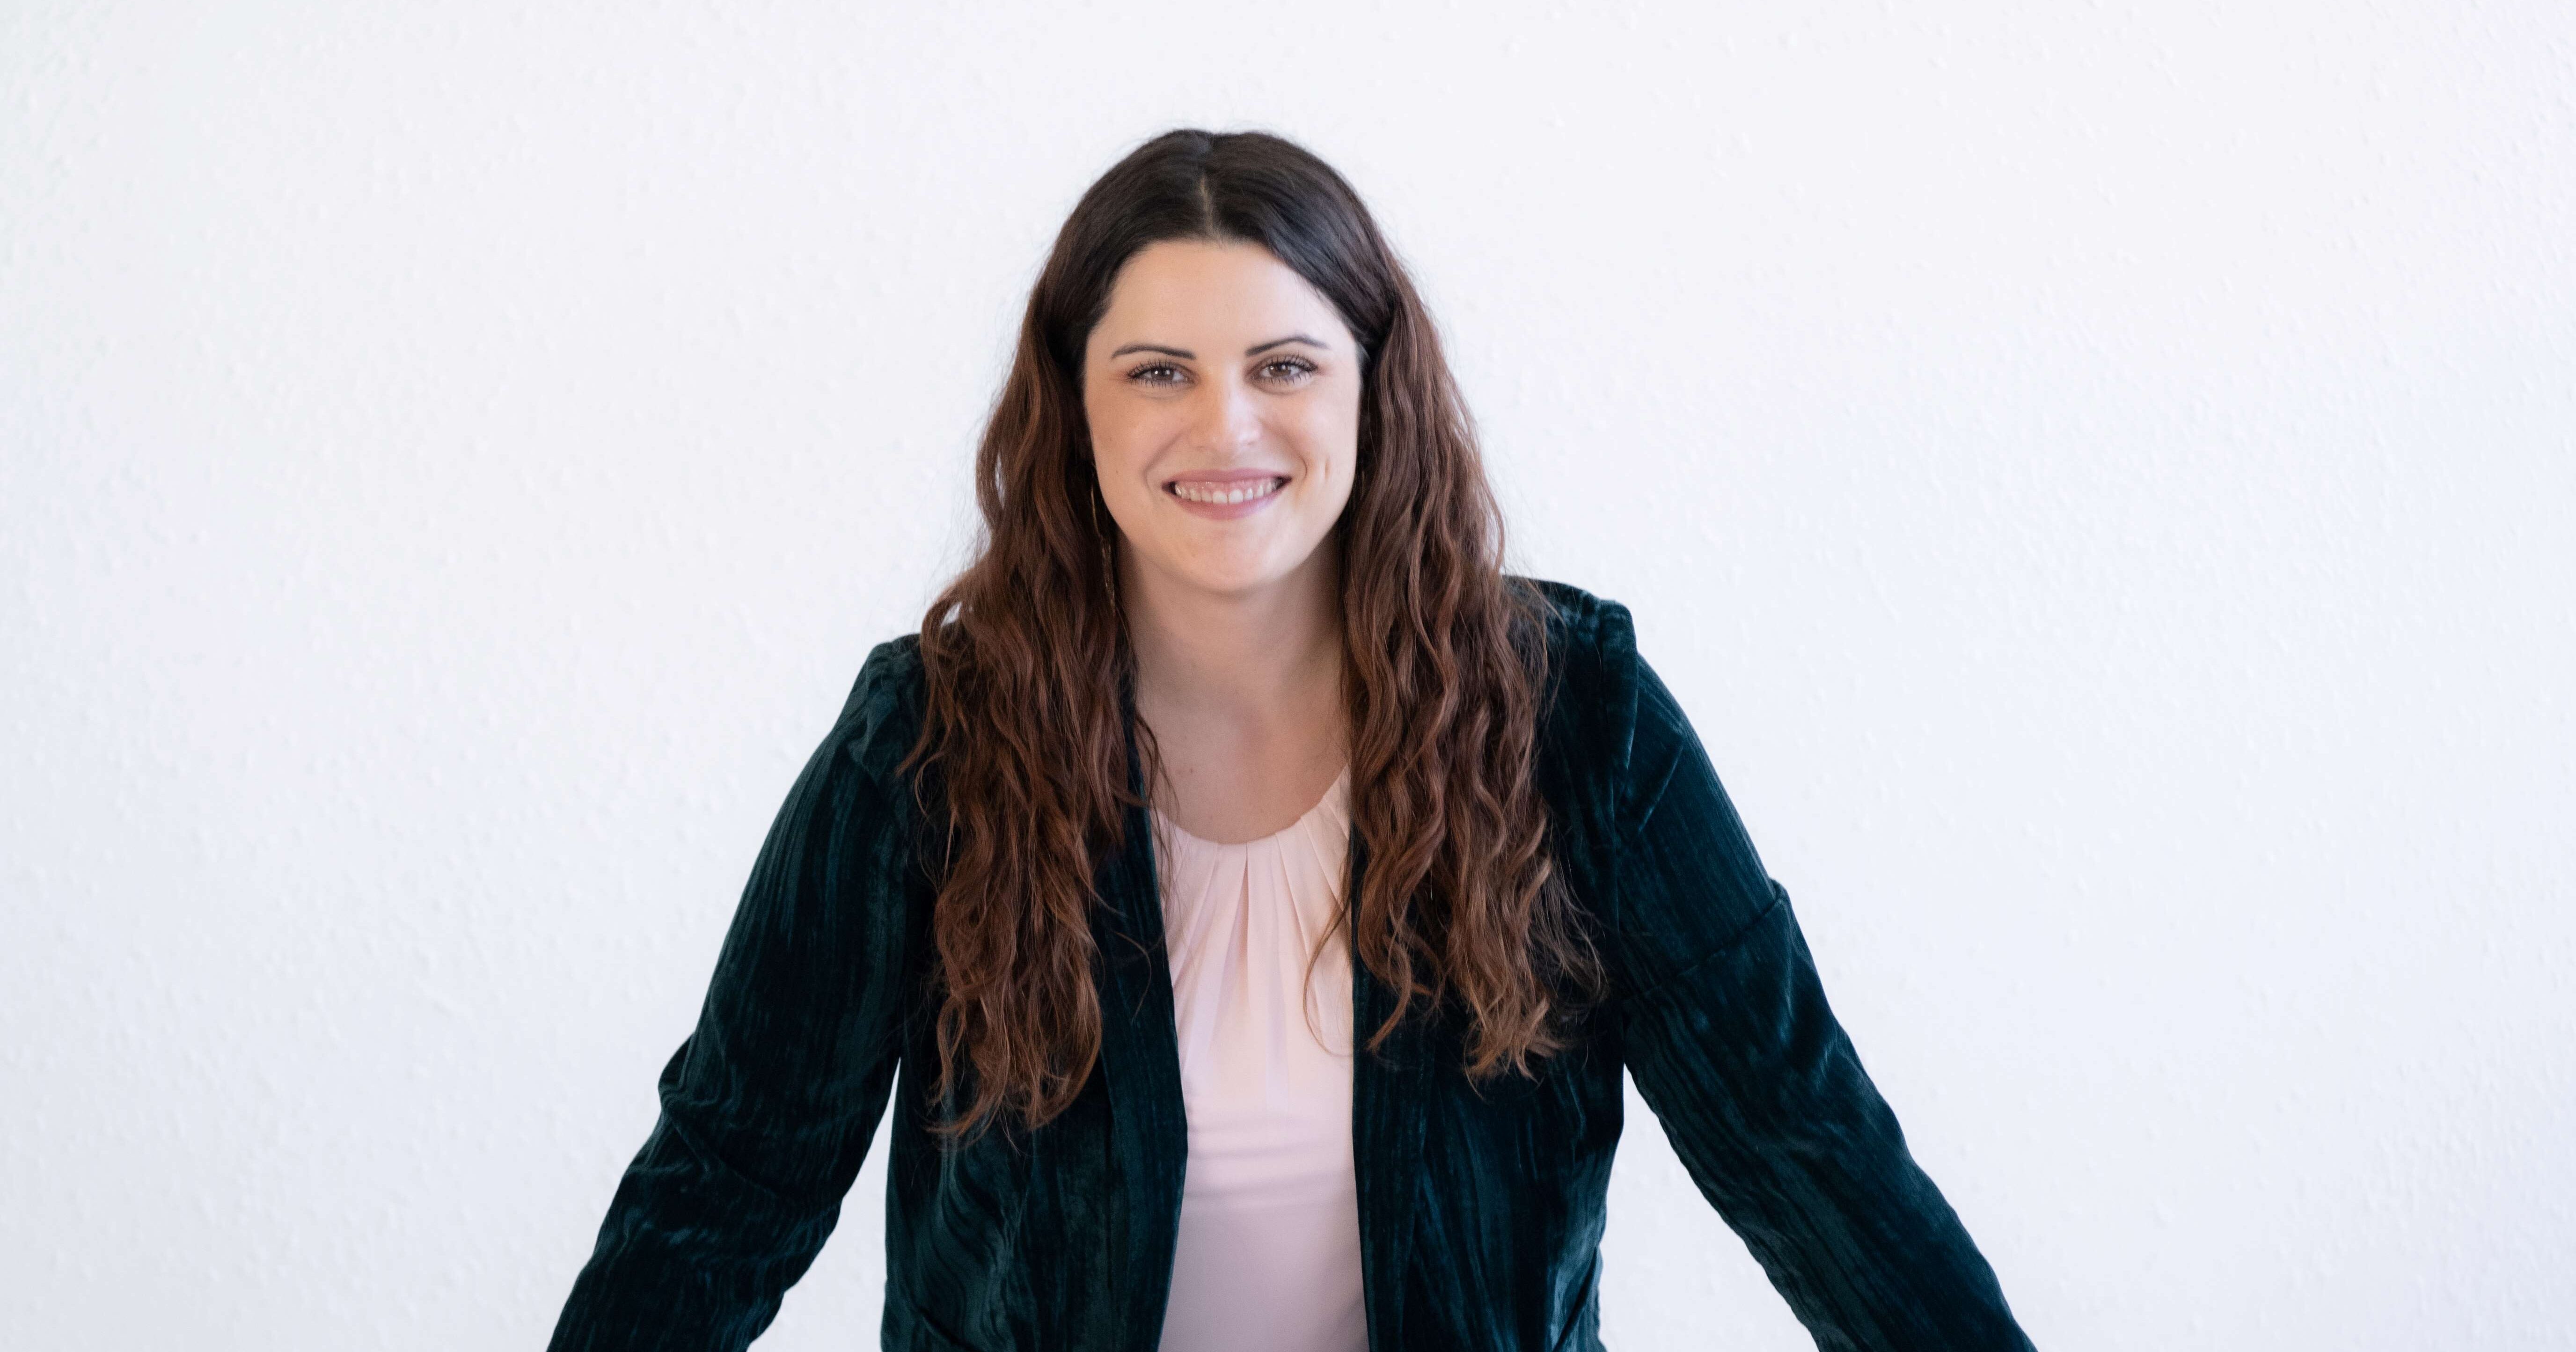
(1141,1061)
(1387,1093)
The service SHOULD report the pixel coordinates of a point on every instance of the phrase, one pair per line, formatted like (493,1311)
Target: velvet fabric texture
(1481,1206)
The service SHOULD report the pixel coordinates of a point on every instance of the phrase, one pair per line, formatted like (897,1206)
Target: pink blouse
(1269,1255)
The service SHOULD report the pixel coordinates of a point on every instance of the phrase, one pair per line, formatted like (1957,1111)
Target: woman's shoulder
(881,719)
(1603,708)
(1581,625)
(1591,649)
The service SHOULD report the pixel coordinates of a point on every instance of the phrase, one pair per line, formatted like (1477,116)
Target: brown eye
(1286,368)
(1155,373)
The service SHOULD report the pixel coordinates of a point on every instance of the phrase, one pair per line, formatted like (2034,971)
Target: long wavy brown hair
(1030,672)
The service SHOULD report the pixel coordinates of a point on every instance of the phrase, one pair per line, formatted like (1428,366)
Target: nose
(1228,417)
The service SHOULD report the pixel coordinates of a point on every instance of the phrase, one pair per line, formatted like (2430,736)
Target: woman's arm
(769,1106)
(1731,1043)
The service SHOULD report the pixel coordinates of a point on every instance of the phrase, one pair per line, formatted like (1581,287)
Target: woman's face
(1223,394)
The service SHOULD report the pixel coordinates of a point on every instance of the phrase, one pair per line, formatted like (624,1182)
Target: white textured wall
(2100,476)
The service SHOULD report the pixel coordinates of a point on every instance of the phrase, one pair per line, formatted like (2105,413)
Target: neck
(1259,660)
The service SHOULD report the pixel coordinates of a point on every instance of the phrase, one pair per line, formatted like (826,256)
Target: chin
(1234,577)
(1236,583)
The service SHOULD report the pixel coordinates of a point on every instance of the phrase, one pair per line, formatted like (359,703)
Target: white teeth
(1226,496)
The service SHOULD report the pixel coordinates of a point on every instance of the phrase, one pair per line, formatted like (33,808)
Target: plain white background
(2099,477)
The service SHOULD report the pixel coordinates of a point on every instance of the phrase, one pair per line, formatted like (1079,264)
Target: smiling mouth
(1224,494)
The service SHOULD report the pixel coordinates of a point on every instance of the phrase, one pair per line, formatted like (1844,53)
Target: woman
(1255,892)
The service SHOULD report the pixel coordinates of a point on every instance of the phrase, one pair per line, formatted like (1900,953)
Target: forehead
(1217,291)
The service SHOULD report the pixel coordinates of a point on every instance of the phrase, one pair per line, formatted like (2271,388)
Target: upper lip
(1223,476)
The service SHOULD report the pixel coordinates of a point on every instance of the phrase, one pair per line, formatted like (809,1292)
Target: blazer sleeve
(769,1105)
(1730,1042)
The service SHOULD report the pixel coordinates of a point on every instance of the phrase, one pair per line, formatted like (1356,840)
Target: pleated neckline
(1330,811)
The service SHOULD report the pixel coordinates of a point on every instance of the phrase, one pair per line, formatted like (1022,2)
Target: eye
(1285,369)
(1157,373)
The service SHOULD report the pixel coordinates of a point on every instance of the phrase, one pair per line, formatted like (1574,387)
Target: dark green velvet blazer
(1480,1207)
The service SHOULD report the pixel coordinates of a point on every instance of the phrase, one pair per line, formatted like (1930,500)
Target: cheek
(1115,445)
(1328,440)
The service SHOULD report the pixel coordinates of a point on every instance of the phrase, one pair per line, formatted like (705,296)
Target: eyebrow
(1291,338)
(1186,355)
